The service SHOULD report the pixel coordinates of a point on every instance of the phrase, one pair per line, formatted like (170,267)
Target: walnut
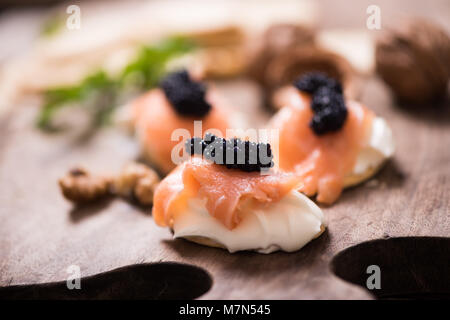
(288,66)
(414,60)
(276,40)
(136,181)
(144,190)
(79,186)
(288,51)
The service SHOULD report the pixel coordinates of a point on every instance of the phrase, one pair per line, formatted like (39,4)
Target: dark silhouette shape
(411,267)
(154,281)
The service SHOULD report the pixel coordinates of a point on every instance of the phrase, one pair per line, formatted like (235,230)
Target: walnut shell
(288,66)
(277,39)
(414,61)
(288,51)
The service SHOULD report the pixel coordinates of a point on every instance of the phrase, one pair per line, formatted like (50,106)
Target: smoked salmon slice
(155,120)
(226,190)
(320,161)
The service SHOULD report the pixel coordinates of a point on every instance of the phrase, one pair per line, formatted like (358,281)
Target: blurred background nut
(79,186)
(413,59)
(290,65)
(277,39)
(287,67)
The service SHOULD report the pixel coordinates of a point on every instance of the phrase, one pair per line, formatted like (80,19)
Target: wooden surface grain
(41,234)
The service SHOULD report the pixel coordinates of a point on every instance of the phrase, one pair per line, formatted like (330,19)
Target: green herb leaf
(100,93)
(52,25)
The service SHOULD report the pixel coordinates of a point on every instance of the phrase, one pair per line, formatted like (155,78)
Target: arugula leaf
(101,93)
(52,25)
(151,61)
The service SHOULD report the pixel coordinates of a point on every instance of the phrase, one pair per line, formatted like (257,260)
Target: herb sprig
(100,93)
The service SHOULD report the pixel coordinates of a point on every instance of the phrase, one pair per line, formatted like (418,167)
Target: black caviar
(311,81)
(327,102)
(233,153)
(185,95)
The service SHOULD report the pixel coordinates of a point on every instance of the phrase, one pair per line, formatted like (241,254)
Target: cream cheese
(379,147)
(285,225)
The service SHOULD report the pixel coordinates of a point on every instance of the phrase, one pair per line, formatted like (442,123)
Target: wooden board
(41,234)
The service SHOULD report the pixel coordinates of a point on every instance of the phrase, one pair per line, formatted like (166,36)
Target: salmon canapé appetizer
(329,143)
(177,103)
(235,205)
